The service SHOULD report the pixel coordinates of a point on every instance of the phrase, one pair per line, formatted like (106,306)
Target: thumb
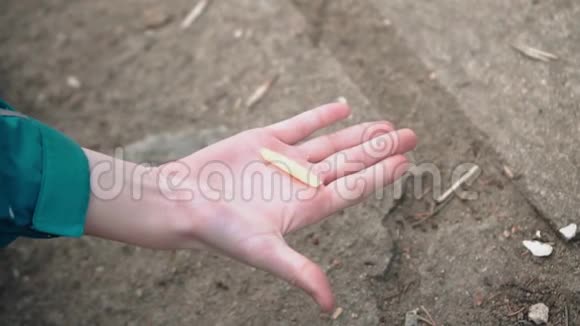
(300,271)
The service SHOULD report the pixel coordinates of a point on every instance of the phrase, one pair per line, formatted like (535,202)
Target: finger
(353,189)
(303,125)
(319,148)
(354,159)
(300,271)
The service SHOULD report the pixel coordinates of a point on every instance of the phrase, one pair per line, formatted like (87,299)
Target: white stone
(342,99)
(539,314)
(73,82)
(538,249)
(569,232)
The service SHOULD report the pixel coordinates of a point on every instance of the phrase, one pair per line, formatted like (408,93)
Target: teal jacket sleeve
(44,180)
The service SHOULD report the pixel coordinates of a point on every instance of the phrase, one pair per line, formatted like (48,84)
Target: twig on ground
(531,281)
(534,53)
(567,317)
(516,312)
(195,13)
(509,307)
(425,321)
(429,316)
(508,172)
(260,92)
(466,177)
(401,291)
(494,296)
(335,263)
(427,215)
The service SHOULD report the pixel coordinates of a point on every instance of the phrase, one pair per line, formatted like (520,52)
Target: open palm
(243,206)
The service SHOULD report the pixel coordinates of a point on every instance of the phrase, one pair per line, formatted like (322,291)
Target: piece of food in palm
(291,167)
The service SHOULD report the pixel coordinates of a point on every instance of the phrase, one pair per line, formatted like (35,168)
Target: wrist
(131,203)
(191,211)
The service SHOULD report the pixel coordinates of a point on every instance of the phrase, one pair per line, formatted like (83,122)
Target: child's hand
(226,197)
(246,207)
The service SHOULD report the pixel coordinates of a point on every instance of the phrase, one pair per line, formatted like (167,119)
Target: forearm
(127,204)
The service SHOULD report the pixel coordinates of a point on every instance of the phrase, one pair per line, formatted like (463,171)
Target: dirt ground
(142,76)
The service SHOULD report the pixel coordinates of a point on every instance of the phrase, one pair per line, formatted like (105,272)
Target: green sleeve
(44,180)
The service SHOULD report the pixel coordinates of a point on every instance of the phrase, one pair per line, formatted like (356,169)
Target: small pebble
(154,18)
(342,99)
(478,298)
(569,232)
(539,314)
(538,249)
(73,82)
